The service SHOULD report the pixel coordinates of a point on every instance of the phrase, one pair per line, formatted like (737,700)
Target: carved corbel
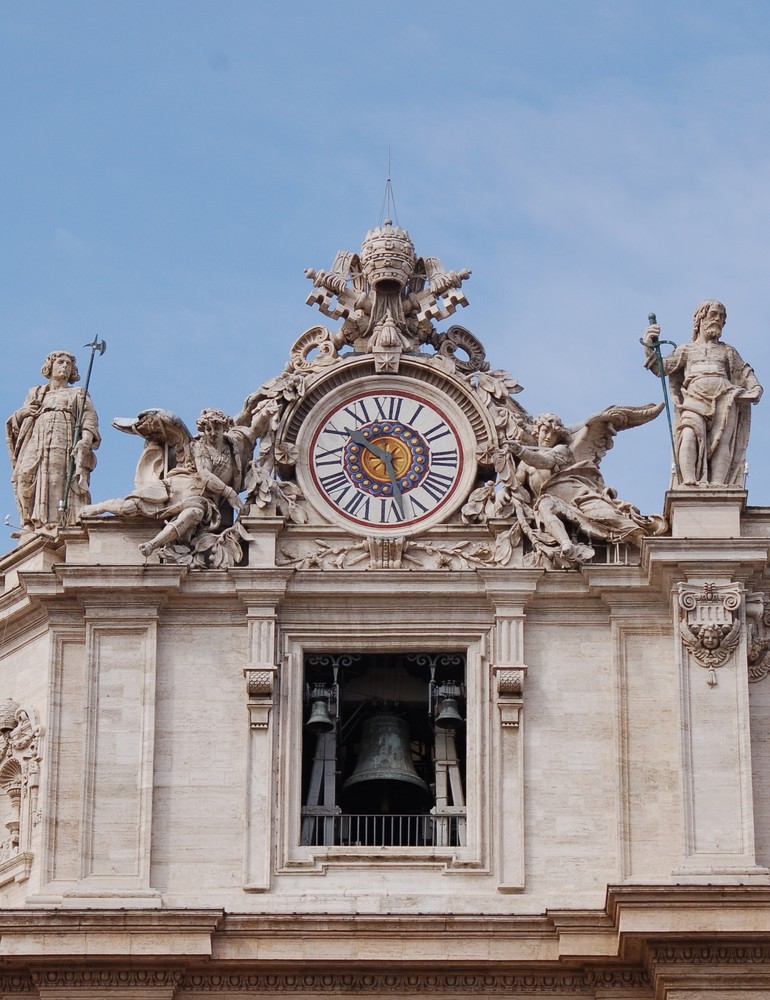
(757,636)
(710,623)
(510,686)
(259,687)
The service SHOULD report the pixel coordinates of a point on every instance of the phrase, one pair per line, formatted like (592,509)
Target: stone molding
(687,953)
(181,983)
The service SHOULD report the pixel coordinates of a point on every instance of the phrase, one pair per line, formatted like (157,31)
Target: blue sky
(171,167)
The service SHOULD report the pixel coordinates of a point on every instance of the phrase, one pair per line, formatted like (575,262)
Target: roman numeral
(325,457)
(358,412)
(389,511)
(448,458)
(436,485)
(355,502)
(331,429)
(416,503)
(393,404)
(436,432)
(416,413)
(337,482)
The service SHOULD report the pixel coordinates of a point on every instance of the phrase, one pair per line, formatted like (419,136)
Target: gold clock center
(375,468)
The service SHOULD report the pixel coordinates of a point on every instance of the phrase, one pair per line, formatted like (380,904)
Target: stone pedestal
(707,512)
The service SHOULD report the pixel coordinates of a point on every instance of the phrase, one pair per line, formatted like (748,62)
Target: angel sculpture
(711,644)
(558,482)
(191,483)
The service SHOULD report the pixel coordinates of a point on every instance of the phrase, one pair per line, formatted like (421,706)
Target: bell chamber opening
(383,750)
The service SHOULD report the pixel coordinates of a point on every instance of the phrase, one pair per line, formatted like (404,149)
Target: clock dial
(386,460)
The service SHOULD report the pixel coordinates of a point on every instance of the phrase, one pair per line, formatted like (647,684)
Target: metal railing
(383,831)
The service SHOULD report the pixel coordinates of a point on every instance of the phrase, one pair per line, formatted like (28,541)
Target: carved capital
(710,623)
(510,680)
(259,682)
(259,687)
(510,686)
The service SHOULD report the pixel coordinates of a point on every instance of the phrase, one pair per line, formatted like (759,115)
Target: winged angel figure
(711,643)
(555,490)
(190,482)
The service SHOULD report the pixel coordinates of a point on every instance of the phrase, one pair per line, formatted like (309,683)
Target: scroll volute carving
(710,624)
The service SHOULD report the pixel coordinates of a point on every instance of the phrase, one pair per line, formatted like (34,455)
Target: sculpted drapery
(713,389)
(40,436)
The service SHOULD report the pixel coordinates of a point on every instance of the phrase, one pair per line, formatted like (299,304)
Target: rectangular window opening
(383,750)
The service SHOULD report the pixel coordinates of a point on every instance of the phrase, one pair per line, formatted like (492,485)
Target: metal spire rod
(388,208)
(95,345)
(655,347)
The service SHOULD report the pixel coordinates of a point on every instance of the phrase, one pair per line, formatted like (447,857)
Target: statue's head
(709,319)
(59,356)
(550,425)
(211,418)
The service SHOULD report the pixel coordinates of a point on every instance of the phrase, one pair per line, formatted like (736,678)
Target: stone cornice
(153,982)
(646,935)
(666,560)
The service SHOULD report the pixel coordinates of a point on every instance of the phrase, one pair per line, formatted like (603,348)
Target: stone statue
(713,389)
(191,483)
(40,436)
(559,487)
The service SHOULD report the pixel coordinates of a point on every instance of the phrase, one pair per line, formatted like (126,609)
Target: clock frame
(386,457)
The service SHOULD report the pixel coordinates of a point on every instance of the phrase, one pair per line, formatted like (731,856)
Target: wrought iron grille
(383,831)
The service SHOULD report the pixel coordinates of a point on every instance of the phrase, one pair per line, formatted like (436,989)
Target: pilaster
(261,593)
(707,566)
(103,709)
(509,594)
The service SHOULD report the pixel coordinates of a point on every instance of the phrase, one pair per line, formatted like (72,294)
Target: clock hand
(394,482)
(358,437)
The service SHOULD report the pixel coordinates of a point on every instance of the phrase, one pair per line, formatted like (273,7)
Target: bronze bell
(385,781)
(320,721)
(448,716)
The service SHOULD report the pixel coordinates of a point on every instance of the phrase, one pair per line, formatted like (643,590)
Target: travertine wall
(616,775)
(155,752)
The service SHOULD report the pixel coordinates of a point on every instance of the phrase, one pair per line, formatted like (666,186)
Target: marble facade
(610,801)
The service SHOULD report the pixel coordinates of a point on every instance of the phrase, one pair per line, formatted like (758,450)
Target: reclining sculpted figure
(191,483)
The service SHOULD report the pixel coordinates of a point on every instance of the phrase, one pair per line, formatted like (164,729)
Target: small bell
(320,721)
(448,716)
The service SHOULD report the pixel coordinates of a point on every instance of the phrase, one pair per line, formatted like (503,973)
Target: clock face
(387,460)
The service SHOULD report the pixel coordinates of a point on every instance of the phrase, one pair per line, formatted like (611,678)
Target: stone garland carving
(710,624)
(713,389)
(40,436)
(396,553)
(20,757)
